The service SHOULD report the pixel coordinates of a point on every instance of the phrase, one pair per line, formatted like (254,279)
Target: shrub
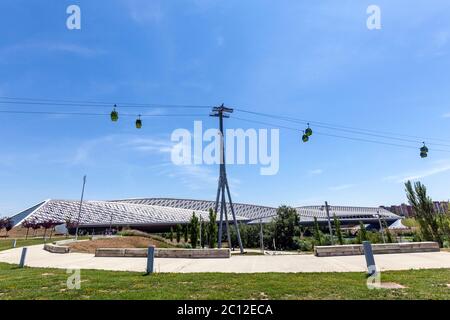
(446,244)
(135,233)
(303,244)
(326,239)
(184,245)
(374,237)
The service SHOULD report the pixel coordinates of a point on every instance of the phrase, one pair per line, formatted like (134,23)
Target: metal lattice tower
(223,190)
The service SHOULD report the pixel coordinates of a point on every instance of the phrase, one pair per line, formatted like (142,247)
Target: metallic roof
(149,211)
(96,213)
(248,211)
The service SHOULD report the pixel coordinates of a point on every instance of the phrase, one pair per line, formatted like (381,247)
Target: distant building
(406,210)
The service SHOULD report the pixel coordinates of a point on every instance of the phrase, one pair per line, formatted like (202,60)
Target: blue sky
(309,59)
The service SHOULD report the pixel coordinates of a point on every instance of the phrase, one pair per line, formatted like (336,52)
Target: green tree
(27,225)
(212,229)
(389,237)
(286,225)
(204,234)
(362,233)
(337,227)
(8,225)
(178,230)
(186,233)
(194,228)
(171,234)
(444,227)
(317,233)
(423,211)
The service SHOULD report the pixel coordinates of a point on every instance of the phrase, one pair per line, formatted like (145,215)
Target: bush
(417,237)
(374,237)
(134,233)
(326,240)
(304,244)
(184,245)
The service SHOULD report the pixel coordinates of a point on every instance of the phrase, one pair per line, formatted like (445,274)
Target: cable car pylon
(223,189)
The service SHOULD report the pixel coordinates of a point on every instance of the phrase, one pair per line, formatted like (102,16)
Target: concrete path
(37,257)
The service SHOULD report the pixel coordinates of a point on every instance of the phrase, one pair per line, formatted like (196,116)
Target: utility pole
(81,206)
(223,112)
(327,209)
(381,226)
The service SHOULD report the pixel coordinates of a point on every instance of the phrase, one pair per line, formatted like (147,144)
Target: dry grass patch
(117,242)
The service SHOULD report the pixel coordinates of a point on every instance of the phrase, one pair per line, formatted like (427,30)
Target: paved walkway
(37,257)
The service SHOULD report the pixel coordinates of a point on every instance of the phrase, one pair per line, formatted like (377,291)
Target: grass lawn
(6,244)
(40,283)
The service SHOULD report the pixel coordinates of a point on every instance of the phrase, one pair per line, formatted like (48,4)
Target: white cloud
(439,167)
(83,153)
(316,172)
(145,11)
(92,151)
(194,177)
(60,47)
(446,115)
(72,48)
(150,145)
